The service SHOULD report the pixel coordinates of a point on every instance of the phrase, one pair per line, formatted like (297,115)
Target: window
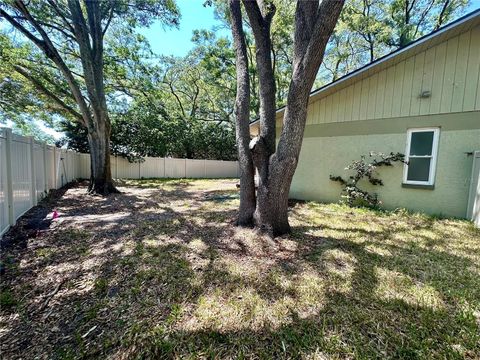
(421,156)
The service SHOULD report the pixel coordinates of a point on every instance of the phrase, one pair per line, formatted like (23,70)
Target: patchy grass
(7,300)
(159,271)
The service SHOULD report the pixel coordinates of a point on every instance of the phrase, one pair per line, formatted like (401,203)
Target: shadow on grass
(162,273)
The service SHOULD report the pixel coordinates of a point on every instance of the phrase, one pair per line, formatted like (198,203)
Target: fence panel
(21,175)
(195,168)
(61,167)
(175,168)
(152,168)
(39,164)
(70,168)
(4,221)
(50,168)
(220,169)
(127,170)
(85,166)
(28,169)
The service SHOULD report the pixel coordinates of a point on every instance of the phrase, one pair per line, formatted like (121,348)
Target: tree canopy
(184,106)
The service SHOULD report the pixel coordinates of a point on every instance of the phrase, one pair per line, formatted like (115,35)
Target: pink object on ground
(55,214)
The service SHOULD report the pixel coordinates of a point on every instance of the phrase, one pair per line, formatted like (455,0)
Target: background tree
(410,19)
(71,38)
(175,106)
(370,29)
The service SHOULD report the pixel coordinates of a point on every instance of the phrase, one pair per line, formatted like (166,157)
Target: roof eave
(389,56)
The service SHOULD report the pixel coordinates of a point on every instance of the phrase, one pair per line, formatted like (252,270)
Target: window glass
(418,169)
(421,143)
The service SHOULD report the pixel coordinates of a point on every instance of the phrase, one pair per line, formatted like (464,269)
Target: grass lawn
(159,271)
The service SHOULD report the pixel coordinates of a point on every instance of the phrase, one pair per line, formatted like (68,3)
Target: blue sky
(172,41)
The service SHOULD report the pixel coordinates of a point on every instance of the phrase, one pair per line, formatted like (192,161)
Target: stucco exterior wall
(322,156)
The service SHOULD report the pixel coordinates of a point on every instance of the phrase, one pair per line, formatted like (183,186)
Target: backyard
(160,271)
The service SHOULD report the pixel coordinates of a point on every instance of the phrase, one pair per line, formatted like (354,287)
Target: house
(423,101)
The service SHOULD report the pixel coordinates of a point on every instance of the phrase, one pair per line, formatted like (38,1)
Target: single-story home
(423,101)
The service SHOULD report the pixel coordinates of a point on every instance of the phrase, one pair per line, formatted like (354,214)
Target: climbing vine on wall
(364,169)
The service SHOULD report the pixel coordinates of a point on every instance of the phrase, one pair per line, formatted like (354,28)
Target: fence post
(45,176)
(55,167)
(61,165)
(8,153)
(32,171)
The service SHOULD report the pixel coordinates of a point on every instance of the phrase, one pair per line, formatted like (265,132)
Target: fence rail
(30,169)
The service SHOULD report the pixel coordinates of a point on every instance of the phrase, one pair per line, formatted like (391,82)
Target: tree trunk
(247,184)
(272,206)
(260,15)
(242,125)
(314,24)
(271,213)
(101,181)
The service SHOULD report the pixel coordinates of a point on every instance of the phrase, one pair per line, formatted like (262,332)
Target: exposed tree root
(102,189)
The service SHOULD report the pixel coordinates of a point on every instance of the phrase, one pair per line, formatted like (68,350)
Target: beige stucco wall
(322,156)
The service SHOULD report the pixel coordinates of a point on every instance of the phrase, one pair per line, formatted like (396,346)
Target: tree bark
(101,177)
(90,41)
(260,15)
(242,124)
(314,25)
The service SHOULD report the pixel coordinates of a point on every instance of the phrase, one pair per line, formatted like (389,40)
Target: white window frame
(433,157)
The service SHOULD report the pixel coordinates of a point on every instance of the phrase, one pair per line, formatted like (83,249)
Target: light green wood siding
(473,65)
(450,70)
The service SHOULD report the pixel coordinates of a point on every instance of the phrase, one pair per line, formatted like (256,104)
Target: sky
(172,41)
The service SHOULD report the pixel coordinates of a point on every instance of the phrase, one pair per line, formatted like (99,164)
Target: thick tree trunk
(89,35)
(314,24)
(313,27)
(272,206)
(271,213)
(242,114)
(260,15)
(247,184)
(101,181)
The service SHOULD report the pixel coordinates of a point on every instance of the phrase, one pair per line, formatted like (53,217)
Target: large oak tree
(314,24)
(70,34)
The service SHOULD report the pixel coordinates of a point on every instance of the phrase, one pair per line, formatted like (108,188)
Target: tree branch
(46,45)
(39,86)
(261,23)
(22,29)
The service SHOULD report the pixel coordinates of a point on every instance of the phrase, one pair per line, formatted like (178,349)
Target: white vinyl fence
(29,169)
